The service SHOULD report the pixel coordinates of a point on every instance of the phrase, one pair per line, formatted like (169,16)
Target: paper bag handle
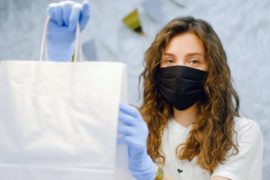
(77,47)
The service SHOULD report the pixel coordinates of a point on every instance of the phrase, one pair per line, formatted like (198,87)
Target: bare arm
(219,178)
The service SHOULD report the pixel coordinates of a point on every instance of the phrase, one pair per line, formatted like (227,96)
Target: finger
(67,6)
(123,129)
(129,110)
(85,15)
(74,17)
(121,140)
(127,119)
(51,11)
(59,15)
(129,140)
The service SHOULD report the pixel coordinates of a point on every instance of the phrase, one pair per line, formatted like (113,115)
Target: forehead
(185,43)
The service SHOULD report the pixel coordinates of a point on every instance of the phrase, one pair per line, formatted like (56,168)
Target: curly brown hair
(211,136)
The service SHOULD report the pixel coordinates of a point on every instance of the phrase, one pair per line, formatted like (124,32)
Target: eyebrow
(195,54)
(189,54)
(168,54)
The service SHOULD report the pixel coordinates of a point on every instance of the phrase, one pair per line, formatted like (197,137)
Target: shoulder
(248,139)
(243,122)
(246,128)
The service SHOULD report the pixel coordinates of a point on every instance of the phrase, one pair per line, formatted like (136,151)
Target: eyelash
(169,60)
(195,60)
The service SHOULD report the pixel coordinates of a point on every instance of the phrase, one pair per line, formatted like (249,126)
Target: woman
(188,125)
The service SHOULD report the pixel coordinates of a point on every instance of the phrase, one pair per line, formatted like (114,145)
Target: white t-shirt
(246,165)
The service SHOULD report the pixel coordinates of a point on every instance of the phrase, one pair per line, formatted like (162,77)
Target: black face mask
(181,86)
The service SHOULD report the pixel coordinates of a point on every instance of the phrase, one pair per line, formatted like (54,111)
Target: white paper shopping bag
(58,121)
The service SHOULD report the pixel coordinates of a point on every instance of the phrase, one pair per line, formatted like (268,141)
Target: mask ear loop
(77,46)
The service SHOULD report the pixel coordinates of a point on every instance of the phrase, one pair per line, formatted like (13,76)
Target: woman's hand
(133,131)
(64,17)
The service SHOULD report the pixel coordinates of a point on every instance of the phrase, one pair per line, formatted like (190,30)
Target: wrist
(59,52)
(143,168)
(145,173)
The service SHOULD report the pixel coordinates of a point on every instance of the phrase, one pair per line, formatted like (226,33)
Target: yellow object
(159,173)
(132,21)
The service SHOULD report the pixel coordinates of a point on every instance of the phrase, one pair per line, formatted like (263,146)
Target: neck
(185,117)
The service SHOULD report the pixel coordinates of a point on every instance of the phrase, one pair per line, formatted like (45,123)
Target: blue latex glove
(133,131)
(64,17)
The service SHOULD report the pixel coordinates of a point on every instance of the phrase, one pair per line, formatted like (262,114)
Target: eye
(194,61)
(169,61)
